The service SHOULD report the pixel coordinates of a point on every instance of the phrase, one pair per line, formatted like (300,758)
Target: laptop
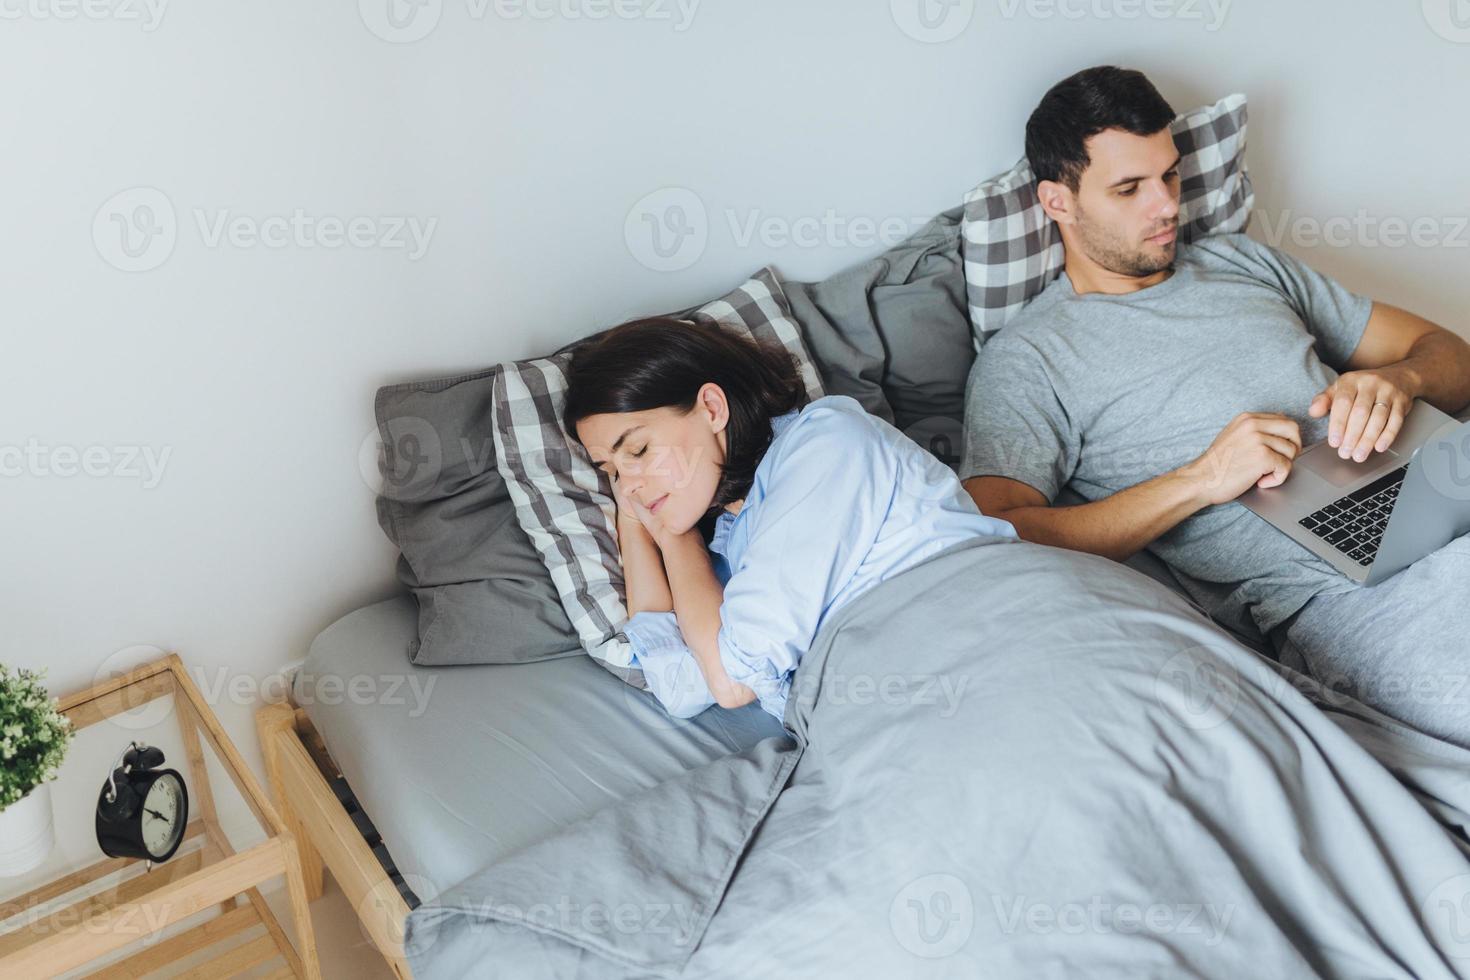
(1372,519)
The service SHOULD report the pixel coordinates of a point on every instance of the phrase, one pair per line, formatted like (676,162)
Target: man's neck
(1089,277)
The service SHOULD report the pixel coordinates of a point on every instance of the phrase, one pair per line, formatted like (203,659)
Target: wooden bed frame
(300,771)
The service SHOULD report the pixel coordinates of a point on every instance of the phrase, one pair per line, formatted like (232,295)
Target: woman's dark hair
(1078,108)
(662,362)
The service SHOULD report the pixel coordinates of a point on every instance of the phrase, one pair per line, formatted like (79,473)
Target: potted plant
(34,736)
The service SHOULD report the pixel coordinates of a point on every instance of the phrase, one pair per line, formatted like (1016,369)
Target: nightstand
(81,907)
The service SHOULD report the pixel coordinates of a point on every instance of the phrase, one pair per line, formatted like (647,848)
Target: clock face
(163,817)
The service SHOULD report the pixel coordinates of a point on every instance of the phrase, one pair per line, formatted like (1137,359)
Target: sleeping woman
(812,505)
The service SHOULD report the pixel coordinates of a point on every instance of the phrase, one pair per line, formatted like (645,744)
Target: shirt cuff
(667,663)
(771,687)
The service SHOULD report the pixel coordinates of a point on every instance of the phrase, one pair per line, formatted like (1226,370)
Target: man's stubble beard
(1110,251)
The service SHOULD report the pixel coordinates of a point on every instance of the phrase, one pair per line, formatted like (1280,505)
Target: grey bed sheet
(459,766)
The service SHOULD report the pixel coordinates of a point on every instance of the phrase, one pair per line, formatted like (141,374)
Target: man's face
(1127,206)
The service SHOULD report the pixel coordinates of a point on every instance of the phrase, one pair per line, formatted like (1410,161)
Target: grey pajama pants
(1402,646)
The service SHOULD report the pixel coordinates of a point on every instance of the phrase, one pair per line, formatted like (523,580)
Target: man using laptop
(1163,381)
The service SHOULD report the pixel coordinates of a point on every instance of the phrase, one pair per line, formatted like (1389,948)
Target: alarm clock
(142,810)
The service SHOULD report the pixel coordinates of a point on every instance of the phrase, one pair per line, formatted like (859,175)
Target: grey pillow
(894,333)
(483,594)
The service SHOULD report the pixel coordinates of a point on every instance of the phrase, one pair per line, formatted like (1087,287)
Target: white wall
(530,141)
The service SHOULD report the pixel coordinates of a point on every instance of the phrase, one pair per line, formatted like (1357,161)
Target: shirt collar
(719,541)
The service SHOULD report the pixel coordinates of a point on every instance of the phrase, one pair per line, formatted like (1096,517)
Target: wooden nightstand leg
(201,792)
(272,722)
(301,914)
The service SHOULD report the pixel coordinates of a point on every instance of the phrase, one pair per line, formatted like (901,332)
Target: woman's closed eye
(611,470)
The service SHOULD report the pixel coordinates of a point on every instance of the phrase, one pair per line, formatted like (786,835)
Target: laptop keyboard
(1354,525)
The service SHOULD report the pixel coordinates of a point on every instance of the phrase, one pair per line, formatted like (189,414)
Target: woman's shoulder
(831,424)
(831,416)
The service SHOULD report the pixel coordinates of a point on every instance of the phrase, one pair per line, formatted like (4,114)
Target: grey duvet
(1011,761)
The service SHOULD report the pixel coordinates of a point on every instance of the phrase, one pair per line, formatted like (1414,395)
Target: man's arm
(1401,357)
(1115,528)
(1254,449)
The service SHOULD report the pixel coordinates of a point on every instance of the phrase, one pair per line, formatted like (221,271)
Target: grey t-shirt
(1101,392)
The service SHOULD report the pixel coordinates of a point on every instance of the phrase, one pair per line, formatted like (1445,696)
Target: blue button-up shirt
(840,502)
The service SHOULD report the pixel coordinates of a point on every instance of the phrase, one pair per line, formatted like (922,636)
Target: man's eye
(1128,192)
(1172,175)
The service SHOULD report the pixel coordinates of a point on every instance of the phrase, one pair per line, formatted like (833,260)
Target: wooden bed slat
(234,961)
(177,947)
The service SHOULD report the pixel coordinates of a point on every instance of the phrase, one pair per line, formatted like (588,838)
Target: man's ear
(1058,201)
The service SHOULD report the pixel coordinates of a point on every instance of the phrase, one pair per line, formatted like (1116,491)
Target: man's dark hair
(1080,107)
(662,362)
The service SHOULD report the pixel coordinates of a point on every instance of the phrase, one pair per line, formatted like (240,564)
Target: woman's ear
(713,406)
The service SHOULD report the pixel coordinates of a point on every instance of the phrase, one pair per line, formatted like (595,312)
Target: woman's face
(667,460)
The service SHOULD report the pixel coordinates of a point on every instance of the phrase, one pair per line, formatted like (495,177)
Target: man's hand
(1256,448)
(1368,410)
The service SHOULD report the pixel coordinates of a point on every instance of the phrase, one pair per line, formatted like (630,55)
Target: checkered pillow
(1013,251)
(565,504)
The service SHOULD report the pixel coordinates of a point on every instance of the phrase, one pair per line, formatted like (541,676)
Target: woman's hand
(644,579)
(635,517)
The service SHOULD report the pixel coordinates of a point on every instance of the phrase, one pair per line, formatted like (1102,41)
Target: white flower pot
(25,832)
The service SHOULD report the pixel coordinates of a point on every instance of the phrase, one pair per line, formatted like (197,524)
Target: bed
(464,806)
(1351,841)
